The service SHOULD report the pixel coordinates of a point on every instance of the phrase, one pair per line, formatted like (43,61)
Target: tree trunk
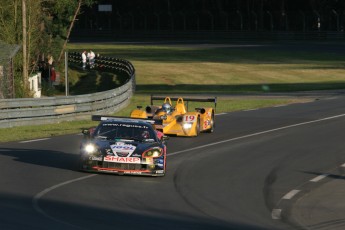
(70,29)
(25,63)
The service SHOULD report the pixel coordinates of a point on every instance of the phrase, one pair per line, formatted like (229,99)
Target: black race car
(123,146)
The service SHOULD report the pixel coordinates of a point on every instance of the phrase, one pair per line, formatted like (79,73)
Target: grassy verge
(224,104)
(41,131)
(226,69)
(204,69)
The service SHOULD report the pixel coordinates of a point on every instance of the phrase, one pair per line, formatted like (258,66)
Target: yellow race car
(176,120)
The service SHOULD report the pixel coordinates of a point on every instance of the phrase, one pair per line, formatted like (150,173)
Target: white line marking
(219,114)
(318,178)
(276,214)
(291,194)
(256,134)
(343,165)
(247,110)
(277,106)
(42,139)
(38,196)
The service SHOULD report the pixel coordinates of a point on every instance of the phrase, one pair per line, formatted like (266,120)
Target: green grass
(201,69)
(41,131)
(224,104)
(229,69)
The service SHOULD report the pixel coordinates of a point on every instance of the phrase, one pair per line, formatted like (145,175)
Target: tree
(25,63)
(70,29)
(41,26)
(18,20)
(62,15)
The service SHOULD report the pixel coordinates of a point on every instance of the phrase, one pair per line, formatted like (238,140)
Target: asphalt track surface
(260,169)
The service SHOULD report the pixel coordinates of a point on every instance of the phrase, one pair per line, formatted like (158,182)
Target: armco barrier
(36,111)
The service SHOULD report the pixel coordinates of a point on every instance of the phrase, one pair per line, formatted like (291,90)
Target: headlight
(187,125)
(90,148)
(155,152)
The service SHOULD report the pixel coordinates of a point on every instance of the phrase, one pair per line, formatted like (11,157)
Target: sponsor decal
(174,130)
(120,147)
(130,160)
(159,171)
(159,126)
(126,125)
(160,163)
(95,158)
(107,170)
(132,172)
(207,123)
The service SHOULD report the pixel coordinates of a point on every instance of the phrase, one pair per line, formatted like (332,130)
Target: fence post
(271,20)
(318,25)
(337,17)
(303,23)
(241,19)
(255,20)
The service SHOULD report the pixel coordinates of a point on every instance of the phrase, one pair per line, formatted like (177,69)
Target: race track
(246,175)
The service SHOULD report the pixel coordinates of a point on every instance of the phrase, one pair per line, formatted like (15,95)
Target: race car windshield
(124,131)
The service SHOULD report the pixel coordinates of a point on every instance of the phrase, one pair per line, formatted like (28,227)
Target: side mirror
(86,132)
(164,138)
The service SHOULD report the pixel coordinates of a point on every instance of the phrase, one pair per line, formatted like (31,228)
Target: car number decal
(189,118)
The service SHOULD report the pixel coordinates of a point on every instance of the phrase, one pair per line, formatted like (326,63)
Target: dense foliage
(47,24)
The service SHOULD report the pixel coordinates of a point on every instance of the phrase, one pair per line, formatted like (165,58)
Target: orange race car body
(179,121)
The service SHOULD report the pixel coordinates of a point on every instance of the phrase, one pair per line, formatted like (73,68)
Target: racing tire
(211,130)
(160,175)
(197,127)
(79,165)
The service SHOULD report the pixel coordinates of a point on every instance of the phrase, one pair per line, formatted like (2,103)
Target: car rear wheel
(212,125)
(197,127)
(79,165)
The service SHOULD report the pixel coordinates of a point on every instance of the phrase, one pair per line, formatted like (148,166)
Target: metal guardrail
(49,110)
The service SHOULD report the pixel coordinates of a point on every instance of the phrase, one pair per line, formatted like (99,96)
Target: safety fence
(7,54)
(104,63)
(210,36)
(215,16)
(48,110)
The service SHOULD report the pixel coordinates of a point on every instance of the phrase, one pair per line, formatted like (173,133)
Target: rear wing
(117,118)
(197,99)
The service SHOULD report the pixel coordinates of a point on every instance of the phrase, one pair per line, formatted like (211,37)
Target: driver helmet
(166,107)
(145,134)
